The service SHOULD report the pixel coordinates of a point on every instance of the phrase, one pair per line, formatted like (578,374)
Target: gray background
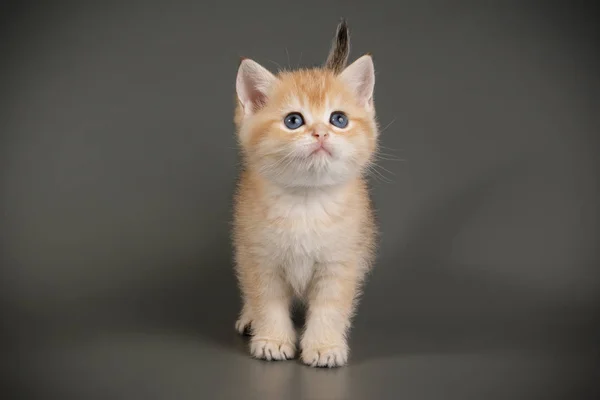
(118,162)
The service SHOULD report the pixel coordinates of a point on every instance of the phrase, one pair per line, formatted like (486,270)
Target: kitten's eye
(293,121)
(338,119)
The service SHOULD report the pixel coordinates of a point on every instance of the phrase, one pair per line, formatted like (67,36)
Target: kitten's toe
(331,356)
(267,349)
(243,325)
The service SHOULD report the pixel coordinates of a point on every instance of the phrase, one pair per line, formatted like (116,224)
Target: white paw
(267,349)
(243,325)
(330,356)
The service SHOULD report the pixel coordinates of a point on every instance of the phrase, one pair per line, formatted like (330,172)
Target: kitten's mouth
(320,149)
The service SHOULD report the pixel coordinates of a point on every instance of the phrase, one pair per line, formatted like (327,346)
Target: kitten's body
(299,228)
(303,220)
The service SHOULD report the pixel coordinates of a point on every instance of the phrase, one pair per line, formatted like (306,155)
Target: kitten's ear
(340,48)
(252,85)
(360,76)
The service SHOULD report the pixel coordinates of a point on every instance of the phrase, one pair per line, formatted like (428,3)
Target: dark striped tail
(340,49)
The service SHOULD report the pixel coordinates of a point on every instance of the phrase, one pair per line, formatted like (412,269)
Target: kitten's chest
(306,228)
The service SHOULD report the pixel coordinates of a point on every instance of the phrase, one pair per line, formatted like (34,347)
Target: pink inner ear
(250,96)
(257,101)
(360,75)
(252,84)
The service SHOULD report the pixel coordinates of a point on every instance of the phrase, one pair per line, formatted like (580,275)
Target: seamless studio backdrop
(118,163)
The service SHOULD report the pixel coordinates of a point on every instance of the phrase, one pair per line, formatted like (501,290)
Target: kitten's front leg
(331,301)
(267,299)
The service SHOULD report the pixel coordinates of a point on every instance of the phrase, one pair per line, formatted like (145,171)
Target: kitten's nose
(320,134)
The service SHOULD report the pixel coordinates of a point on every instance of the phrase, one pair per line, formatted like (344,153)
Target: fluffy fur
(303,223)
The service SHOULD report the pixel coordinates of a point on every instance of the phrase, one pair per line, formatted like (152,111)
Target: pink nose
(321,135)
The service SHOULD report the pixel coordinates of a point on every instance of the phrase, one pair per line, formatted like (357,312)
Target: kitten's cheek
(340,151)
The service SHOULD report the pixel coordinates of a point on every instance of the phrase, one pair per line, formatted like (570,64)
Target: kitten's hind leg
(244,323)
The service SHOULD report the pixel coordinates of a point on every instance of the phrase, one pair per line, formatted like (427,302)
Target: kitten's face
(307,128)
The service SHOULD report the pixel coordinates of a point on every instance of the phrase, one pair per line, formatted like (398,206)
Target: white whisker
(288,58)
(377,175)
(387,126)
(383,168)
(387,157)
(278,65)
(387,148)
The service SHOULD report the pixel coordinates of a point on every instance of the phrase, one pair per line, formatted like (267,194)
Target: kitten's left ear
(360,76)
(252,85)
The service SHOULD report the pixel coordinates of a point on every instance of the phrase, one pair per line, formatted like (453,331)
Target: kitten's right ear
(252,85)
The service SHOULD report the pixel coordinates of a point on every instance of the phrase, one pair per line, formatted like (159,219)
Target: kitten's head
(310,127)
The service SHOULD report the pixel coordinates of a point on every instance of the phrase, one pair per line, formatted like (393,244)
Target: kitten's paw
(267,349)
(330,356)
(244,325)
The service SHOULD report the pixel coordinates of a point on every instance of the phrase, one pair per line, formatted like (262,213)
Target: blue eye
(293,121)
(338,119)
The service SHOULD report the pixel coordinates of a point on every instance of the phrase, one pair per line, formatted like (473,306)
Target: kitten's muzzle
(320,135)
(320,146)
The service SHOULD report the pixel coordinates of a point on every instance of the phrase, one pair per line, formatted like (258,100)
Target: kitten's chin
(313,178)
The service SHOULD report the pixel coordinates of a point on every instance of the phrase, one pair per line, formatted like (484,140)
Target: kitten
(303,223)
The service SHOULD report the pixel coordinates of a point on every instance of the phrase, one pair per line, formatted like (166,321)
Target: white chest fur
(304,229)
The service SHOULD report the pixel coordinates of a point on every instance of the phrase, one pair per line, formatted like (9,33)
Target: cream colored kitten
(303,224)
